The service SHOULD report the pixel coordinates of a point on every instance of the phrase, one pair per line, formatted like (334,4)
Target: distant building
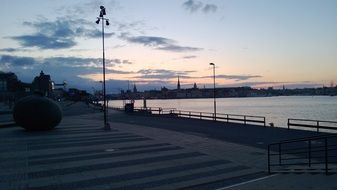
(8,82)
(77,95)
(195,86)
(134,88)
(43,84)
(178,85)
(11,88)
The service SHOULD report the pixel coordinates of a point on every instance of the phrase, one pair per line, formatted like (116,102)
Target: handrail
(222,117)
(228,117)
(324,152)
(311,124)
(313,120)
(304,139)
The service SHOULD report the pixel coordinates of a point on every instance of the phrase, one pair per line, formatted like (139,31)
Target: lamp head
(102,10)
(107,23)
(97,21)
(212,64)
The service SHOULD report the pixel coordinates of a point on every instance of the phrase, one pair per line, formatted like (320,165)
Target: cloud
(10,50)
(113,71)
(17,61)
(234,77)
(195,6)
(88,63)
(161,74)
(60,68)
(59,34)
(209,8)
(150,40)
(44,42)
(176,48)
(85,7)
(159,43)
(189,57)
(277,85)
(170,74)
(64,62)
(90,8)
(192,5)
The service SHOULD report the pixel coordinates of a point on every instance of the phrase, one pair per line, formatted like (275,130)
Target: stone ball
(37,113)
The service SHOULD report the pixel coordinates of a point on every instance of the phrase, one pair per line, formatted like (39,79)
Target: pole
(214,92)
(104,93)
(101,18)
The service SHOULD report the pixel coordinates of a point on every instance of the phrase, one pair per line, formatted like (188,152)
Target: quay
(147,152)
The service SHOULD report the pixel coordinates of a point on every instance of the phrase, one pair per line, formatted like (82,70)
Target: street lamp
(101,17)
(214,89)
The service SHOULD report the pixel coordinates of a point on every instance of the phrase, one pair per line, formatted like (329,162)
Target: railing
(153,110)
(220,117)
(117,108)
(313,154)
(245,119)
(6,119)
(312,124)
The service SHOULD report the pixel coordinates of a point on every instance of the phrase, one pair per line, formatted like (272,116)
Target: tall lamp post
(214,89)
(101,17)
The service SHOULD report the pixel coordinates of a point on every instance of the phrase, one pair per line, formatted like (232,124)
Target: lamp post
(214,89)
(101,17)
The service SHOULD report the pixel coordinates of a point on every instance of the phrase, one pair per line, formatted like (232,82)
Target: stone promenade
(143,153)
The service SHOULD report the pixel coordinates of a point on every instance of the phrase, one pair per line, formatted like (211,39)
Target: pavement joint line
(246,182)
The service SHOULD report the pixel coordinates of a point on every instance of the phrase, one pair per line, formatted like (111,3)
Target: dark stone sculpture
(37,113)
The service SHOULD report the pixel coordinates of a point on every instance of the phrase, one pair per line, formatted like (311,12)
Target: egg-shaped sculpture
(37,113)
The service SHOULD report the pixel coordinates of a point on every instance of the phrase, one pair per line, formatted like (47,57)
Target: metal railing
(120,108)
(313,154)
(153,110)
(312,124)
(245,119)
(172,112)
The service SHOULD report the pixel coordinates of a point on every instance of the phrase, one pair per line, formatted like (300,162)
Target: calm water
(275,109)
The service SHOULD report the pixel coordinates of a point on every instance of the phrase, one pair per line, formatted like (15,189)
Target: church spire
(134,88)
(178,85)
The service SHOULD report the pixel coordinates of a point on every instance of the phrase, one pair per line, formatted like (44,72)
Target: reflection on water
(275,109)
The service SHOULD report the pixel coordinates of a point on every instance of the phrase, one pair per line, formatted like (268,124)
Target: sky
(257,43)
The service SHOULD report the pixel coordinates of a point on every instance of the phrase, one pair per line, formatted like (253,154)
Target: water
(276,109)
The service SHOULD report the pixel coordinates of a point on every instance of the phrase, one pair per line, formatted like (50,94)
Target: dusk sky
(257,43)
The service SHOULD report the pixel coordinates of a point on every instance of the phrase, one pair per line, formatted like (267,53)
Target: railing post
(200,115)
(189,114)
(264,121)
(326,156)
(309,152)
(269,159)
(244,119)
(227,118)
(279,156)
(288,124)
(317,126)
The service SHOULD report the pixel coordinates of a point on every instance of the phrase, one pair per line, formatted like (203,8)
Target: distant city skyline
(257,43)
